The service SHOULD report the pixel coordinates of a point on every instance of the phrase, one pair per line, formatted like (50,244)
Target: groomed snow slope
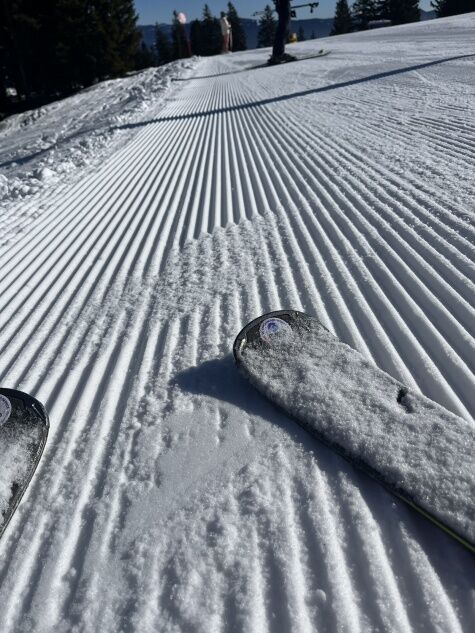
(171,496)
(50,146)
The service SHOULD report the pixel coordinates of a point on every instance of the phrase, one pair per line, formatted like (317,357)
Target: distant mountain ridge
(312,28)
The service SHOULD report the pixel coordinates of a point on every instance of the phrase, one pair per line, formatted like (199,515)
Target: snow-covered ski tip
(413,446)
(23,431)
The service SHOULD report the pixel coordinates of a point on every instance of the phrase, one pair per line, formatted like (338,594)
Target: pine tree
(362,12)
(404,11)
(128,36)
(398,11)
(266,28)
(180,47)
(15,31)
(37,39)
(59,46)
(342,22)
(382,9)
(196,37)
(144,57)
(237,32)
(77,45)
(445,8)
(162,46)
(118,38)
(211,33)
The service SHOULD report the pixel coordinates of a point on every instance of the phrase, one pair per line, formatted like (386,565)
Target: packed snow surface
(171,496)
(415,446)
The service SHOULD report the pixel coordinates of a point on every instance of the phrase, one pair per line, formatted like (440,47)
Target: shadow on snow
(294,95)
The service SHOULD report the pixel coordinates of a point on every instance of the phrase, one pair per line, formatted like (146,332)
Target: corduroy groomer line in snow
(171,496)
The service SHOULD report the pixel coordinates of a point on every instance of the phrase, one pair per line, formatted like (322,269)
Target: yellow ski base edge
(435,521)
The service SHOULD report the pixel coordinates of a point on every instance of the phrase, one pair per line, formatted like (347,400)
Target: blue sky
(151,11)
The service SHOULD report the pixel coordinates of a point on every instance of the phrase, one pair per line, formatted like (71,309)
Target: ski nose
(270,328)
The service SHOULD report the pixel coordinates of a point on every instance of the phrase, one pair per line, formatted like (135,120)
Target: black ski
(302,58)
(418,450)
(24,428)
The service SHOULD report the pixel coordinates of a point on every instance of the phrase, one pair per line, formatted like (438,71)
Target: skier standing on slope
(278,52)
(225,32)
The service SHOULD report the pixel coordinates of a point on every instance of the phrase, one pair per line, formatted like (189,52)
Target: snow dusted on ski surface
(417,448)
(171,495)
(15,459)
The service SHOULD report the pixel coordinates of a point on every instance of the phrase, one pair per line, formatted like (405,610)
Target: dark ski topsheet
(413,446)
(23,431)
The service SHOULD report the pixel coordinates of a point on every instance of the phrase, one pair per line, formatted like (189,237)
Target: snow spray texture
(23,431)
(417,449)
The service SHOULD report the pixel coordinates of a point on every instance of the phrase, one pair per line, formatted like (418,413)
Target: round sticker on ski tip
(5,409)
(274,330)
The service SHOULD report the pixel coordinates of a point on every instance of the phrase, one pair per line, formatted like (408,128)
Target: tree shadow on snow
(302,93)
